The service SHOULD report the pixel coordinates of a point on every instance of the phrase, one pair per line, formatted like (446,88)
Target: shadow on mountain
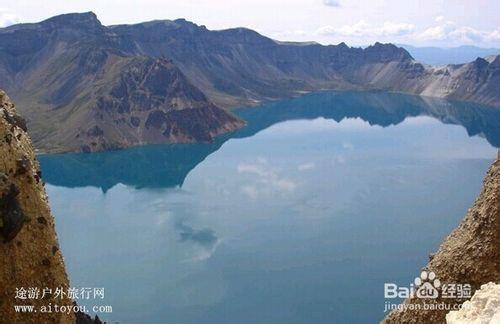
(160,166)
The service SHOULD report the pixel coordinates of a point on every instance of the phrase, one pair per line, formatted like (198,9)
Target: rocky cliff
(31,259)
(469,255)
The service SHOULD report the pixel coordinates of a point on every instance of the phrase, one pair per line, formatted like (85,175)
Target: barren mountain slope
(125,101)
(79,92)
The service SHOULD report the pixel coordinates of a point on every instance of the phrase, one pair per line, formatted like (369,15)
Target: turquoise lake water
(300,217)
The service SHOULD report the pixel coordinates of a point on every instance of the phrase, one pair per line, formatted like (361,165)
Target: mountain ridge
(65,69)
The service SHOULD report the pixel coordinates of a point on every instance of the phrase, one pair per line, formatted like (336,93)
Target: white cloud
(396,29)
(442,31)
(494,35)
(451,32)
(467,35)
(438,32)
(306,166)
(340,159)
(162,218)
(358,29)
(284,184)
(8,18)
(267,180)
(439,19)
(347,146)
(331,3)
(433,33)
(262,160)
(364,29)
(293,35)
(250,191)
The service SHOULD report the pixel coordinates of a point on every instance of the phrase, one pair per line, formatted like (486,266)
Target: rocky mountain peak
(185,23)
(386,53)
(78,20)
(342,45)
(481,62)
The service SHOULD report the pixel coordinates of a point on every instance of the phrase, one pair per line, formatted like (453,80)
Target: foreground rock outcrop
(483,308)
(29,252)
(469,255)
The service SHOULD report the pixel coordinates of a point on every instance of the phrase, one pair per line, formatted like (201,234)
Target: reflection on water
(168,165)
(298,218)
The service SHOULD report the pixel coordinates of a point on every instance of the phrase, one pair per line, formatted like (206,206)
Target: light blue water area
(301,217)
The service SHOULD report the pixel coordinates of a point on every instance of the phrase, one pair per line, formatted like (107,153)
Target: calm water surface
(298,218)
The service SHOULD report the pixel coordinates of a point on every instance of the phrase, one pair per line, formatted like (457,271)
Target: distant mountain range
(451,55)
(88,87)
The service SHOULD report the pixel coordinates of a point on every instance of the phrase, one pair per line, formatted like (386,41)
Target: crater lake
(299,217)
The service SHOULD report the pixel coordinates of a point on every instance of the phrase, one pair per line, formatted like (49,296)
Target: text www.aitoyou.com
(63,309)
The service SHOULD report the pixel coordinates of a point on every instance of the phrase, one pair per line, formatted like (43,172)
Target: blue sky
(442,23)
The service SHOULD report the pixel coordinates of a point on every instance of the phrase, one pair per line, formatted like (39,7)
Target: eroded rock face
(469,255)
(143,101)
(483,308)
(29,252)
